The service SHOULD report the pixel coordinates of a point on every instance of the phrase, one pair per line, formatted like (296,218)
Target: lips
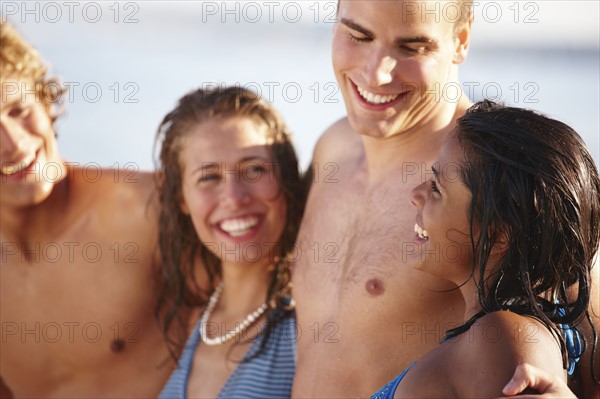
(18,172)
(12,168)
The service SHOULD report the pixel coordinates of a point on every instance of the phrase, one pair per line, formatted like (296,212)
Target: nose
(12,138)
(418,195)
(379,70)
(235,193)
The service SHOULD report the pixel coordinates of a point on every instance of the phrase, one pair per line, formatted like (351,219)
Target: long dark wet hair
(181,251)
(535,187)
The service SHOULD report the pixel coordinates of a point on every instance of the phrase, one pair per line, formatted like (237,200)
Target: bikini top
(570,334)
(269,374)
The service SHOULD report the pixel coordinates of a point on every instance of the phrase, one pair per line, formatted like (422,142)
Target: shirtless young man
(362,315)
(76,280)
(370,316)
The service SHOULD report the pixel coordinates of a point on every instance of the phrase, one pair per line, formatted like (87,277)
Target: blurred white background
(127,63)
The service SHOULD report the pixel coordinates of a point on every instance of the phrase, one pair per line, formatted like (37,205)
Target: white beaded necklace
(240,327)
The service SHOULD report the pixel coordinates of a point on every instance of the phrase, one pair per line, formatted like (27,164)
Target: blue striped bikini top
(268,375)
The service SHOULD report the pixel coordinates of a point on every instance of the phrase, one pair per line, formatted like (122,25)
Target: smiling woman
(525,233)
(228,218)
(226,163)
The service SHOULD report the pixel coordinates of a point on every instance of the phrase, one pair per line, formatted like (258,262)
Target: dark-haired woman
(231,202)
(512,216)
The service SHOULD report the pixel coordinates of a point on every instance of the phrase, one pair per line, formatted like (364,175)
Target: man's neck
(28,223)
(420,143)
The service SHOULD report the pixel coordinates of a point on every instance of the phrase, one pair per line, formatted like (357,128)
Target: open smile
(17,171)
(240,227)
(11,168)
(422,235)
(377,101)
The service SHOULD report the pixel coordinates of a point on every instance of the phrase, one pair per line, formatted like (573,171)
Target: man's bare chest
(350,233)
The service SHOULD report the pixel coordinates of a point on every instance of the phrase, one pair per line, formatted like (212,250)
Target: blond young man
(76,281)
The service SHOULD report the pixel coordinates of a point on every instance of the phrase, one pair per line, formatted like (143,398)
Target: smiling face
(231,189)
(391,59)
(29,159)
(442,229)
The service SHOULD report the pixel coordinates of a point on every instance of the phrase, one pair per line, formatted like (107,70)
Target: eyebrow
(355,26)
(253,158)
(205,165)
(421,39)
(14,101)
(417,40)
(210,165)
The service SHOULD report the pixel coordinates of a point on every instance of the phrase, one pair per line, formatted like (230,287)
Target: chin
(24,197)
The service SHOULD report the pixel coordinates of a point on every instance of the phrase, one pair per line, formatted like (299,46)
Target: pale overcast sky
(539,54)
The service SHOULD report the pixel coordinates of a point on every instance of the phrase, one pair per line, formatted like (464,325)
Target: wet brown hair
(181,251)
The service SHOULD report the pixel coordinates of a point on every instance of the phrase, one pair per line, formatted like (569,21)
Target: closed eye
(414,50)
(19,111)
(359,39)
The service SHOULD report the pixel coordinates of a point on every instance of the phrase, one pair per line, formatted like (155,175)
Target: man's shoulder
(338,142)
(108,181)
(116,190)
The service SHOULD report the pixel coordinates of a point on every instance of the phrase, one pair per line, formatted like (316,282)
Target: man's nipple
(118,345)
(375,287)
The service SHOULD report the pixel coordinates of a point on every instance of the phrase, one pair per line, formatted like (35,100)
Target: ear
(462,40)
(501,244)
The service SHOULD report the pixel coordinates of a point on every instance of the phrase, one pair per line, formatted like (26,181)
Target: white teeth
(12,168)
(238,227)
(375,98)
(421,232)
